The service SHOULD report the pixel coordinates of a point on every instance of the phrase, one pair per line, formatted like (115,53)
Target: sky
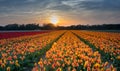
(69,12)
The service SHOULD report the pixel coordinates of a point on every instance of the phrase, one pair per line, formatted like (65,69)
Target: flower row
(71,54)
(14,56)
(108,42)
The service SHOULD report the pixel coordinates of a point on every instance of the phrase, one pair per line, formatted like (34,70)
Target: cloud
(23,3)
(92,11)
(13,6)
(101,5)
(61,7)
(30,0)
(71,2)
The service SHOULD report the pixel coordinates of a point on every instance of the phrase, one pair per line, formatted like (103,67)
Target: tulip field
(61,50)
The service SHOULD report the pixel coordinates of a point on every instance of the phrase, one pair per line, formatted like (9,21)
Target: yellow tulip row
(71,54)
(11,56)
(114,37)
(107,42)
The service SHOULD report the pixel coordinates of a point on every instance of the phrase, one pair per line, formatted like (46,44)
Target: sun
(54,20)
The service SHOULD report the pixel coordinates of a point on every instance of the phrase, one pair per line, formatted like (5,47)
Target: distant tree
(48,26)
(21,27)
(32,26)
(1,28)
(12,27)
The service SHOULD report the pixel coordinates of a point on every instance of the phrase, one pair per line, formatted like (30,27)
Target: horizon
(60,12)
(61,25)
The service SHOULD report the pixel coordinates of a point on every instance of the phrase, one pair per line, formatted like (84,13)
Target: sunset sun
(54,20)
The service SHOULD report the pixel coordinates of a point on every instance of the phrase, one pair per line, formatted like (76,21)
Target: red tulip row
(13,34)
(5,41)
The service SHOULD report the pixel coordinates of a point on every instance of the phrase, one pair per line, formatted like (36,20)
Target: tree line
(50,26)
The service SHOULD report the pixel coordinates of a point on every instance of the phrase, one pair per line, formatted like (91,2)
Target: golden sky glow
(54,20)
(60,12)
